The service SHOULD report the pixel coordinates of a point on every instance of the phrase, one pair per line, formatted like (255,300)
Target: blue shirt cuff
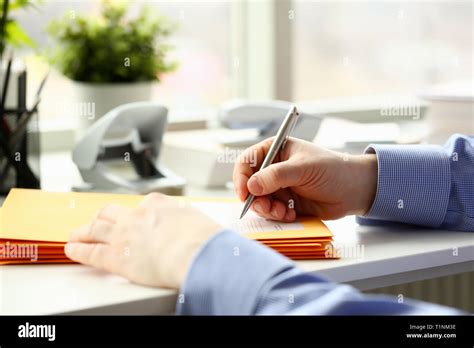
(413,184)
(227,275)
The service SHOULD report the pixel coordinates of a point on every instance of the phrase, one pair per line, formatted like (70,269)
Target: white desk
(391,256)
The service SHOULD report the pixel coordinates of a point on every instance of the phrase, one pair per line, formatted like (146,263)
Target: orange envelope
(46,219)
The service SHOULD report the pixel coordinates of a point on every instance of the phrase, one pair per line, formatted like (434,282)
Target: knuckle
(236,172)
(267,142)
(107,211)
(91,230)
(244,160)
(241,158)
(96,255)
(154,197)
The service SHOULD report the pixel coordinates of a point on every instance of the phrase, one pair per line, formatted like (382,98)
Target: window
(295,50)
(201,47)
(344,48)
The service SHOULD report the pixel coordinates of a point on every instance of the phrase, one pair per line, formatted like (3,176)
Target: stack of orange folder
(35,225)
(311,239)
(301,249)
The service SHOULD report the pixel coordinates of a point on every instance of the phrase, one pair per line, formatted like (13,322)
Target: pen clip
(293,120)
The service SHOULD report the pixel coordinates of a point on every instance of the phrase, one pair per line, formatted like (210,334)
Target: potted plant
(10,31)
(13,36)
(110,58)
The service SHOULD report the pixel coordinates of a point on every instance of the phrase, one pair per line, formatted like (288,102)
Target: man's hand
(308,180)
(152,245)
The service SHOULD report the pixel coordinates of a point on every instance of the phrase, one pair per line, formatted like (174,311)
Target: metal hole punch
(119,152)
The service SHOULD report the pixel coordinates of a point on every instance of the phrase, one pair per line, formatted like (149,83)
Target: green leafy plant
(11,33)
(111,48)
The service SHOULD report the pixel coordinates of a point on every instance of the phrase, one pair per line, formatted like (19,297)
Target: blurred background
(365,71)
(290,50)
(397,72)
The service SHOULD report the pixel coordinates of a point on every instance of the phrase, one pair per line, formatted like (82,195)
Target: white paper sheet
(228,213)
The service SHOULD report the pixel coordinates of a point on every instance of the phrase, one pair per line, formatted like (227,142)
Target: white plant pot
(92,100)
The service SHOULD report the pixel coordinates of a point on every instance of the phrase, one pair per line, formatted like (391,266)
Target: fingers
(240,185)
(288,200)
(273,209)
(98,231)
(275,177)
(290,215)
(153,199)
(93,254)
(262,205)
(247,163)
(88,243)
(112,212)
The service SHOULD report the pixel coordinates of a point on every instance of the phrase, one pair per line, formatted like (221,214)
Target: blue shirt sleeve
(234,275)
(426,185)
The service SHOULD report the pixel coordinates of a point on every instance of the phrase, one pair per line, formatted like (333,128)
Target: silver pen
(278,144)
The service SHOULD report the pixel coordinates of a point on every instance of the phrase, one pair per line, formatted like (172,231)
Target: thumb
(275,177)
